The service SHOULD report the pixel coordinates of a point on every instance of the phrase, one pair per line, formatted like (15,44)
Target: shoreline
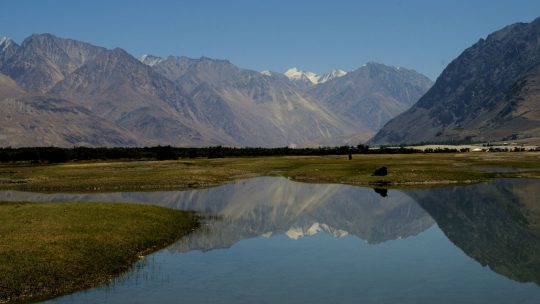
(54,249)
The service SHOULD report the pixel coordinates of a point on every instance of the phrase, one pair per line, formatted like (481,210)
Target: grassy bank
(57,248)
(405,170)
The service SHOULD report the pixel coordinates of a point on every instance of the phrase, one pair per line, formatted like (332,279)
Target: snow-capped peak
(335,73)
(5,42)
(310,77)
(266,73)
(151,60)
(299,75)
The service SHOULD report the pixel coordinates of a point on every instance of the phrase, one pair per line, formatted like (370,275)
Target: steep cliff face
(489,93)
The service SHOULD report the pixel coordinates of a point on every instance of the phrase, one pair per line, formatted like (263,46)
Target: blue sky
(314,35)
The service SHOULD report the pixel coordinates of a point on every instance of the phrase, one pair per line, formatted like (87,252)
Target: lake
(270,239)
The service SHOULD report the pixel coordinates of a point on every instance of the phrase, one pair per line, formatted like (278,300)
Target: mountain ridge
(372,94)
(260,102)
(488,93)
(173,100)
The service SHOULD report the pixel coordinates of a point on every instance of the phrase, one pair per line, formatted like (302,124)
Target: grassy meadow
(404,170)
(56,248)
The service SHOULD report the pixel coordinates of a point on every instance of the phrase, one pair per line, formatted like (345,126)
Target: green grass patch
(51,249)
(405,170)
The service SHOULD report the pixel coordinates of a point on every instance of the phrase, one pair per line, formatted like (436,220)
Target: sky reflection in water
(275,240)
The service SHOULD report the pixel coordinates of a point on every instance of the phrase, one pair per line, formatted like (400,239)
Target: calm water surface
(274,240)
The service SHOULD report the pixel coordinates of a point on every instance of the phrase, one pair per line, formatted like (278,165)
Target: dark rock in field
(381,171)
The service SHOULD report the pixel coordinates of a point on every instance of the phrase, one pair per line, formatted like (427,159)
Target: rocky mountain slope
(9,88)
(119,88)
(42,121)
(43,60)
(307,80)
(371,95)
(175,100)
(27,120)
(489,93)
(252,108)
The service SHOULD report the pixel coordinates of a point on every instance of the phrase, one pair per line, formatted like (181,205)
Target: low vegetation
(60,155)
(56,248)
(57,155)
(404,170)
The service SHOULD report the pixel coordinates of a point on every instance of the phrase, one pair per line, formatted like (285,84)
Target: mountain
(118,87)
(7,49)
(307,79)
(9,88)
(43,60)
(252,108)
(335,73)
(178,101)
(301,77)
(27,120)
(491,92)
(371,95)
(150,60)
(364,99)
(42,121)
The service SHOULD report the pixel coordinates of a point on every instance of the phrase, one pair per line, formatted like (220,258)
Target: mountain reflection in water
(496,224)
(275,205)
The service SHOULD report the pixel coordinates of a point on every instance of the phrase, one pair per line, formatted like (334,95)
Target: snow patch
(5,42)
(266,234)
(296,74)
(296,232)
(299,75)
(150,59)
(335,73)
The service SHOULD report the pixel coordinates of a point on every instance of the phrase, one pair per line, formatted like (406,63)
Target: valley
(269,152)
